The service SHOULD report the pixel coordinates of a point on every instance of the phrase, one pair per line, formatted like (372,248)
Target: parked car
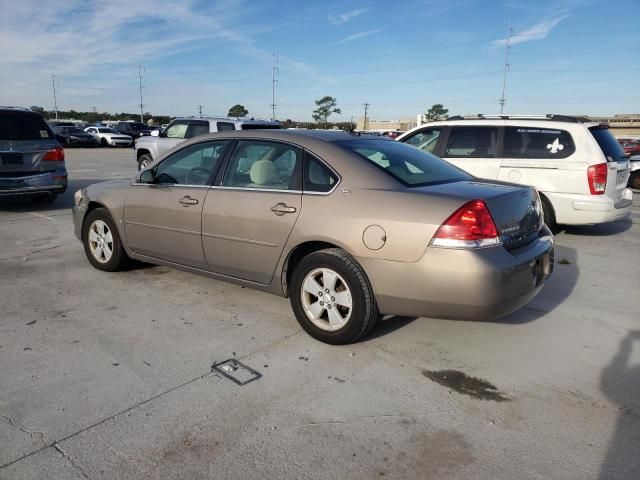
(577,166)
(634,178)
(631,148)
(350,227)
(150,149)
(75,137)
(31,158)
(133,129)
(109,137)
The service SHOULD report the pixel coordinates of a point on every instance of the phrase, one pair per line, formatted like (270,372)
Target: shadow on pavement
(388,325)
(599,230)
(62,202)
(620,382)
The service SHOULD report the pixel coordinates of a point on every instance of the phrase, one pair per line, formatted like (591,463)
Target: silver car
(349,227)
(31,158)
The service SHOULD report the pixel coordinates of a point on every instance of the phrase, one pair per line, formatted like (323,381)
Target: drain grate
(236,371)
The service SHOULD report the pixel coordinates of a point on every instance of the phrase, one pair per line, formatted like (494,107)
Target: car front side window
(176,130)
(192,165)
(425,139)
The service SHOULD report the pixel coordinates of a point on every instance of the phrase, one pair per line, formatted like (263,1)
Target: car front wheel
(332,298)
(634,180)
(102,244)
(144,161)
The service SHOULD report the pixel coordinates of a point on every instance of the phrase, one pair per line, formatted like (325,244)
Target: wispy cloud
(356,36)
(347,16)
(537,32)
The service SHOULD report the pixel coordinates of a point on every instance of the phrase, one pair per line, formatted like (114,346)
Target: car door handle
(282,208)
(187,200)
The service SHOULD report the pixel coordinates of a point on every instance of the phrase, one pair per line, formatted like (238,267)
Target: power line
(507,50)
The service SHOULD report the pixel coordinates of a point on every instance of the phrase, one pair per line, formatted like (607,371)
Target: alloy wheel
(326,299)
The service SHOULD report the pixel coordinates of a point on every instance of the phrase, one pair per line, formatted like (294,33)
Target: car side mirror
(147,176)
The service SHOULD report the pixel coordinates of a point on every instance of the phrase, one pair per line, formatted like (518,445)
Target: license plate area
(541,268)
(622,177)
(11,158)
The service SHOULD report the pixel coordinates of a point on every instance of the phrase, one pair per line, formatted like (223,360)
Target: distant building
(386,125)
(621,124)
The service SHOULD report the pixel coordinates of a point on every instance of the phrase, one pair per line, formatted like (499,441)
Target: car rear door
(163,218)
(473,149)
(248,216)
(617,162)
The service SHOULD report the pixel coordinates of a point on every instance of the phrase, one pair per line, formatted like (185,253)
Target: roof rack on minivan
(548,116)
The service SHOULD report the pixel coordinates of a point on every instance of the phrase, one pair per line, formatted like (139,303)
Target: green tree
(238,111)
(35,108)
(326,107)
(437,112)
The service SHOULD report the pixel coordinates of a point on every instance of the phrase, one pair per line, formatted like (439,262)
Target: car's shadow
(599,230)
(62,202)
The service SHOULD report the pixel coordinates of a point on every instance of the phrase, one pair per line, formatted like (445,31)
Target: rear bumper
(479,284)
(119,142)
(48,182)
(572,209)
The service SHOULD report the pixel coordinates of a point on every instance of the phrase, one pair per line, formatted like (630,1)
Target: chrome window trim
(166,185)
(252,189)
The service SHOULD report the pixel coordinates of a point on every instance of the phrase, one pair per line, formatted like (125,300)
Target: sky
(566,56)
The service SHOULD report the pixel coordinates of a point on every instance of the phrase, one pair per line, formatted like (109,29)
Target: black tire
(364,311)
(549,215)
(44,198)
(103,142)
(144,161)
(634,180)
(119,259)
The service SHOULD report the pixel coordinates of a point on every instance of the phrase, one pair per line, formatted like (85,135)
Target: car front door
(473,149)
(247,219)
(163,217)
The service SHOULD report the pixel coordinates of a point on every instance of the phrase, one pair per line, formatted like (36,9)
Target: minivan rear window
(23,126)
(612,150)
(411,166)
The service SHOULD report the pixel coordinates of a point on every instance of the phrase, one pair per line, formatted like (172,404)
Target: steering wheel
(194,173)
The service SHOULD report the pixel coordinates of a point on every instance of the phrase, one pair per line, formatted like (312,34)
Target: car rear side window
(425,139)
(317,176)
(23,126)
(472,142)
(410,166)
(543,143)
(226,126)
(612,150)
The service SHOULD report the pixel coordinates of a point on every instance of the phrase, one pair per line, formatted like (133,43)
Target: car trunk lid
(515,209)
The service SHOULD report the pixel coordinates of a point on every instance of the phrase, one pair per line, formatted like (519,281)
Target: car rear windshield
(23,126)
(409,165)
(612,150)
(138,126)
(258,126)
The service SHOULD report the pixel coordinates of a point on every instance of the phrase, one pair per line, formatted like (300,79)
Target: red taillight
(54,155)
(471,226)
(597,175)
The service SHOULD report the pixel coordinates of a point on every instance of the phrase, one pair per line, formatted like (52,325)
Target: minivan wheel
(331,297)
(101,241)
(144,161)
(549,215)
(634,180)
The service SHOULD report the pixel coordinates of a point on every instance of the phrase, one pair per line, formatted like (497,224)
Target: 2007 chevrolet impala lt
(350,227)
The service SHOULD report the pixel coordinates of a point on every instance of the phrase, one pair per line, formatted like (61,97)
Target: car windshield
(411,166)
(138,126)
(21,126)
(612,150)
(106,130)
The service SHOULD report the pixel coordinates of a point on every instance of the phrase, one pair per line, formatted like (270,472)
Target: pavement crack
(33,252)
(364,417)
(40,435)
(73,463)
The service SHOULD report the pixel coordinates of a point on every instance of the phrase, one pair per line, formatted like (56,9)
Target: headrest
(263,172)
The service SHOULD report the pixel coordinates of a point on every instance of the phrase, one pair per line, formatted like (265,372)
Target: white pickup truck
(151,148)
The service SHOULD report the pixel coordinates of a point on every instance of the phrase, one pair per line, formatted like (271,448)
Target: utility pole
(200,111)
(95,115)
(366,108)
(140,75)
(55,100)
(507,51)
(274,83)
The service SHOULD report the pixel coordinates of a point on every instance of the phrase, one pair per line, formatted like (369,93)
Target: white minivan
(577,165)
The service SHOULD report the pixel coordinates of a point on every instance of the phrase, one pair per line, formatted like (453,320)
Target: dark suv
(133,129)
(31,158)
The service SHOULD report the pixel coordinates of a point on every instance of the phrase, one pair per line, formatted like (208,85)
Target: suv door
(163,218)
(474,149)
(247,219)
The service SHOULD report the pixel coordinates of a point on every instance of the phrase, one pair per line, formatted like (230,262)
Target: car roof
(295,135)
(255,121)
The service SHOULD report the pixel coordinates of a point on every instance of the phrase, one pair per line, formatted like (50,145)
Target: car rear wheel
(102,244)
(634,180)
(144,161)
(103,142)
(331,297)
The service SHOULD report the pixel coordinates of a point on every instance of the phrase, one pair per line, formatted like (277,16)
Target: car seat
(264,174)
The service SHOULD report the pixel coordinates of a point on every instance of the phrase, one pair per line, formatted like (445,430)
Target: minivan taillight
(54,155)
(597,175)
(471,226)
